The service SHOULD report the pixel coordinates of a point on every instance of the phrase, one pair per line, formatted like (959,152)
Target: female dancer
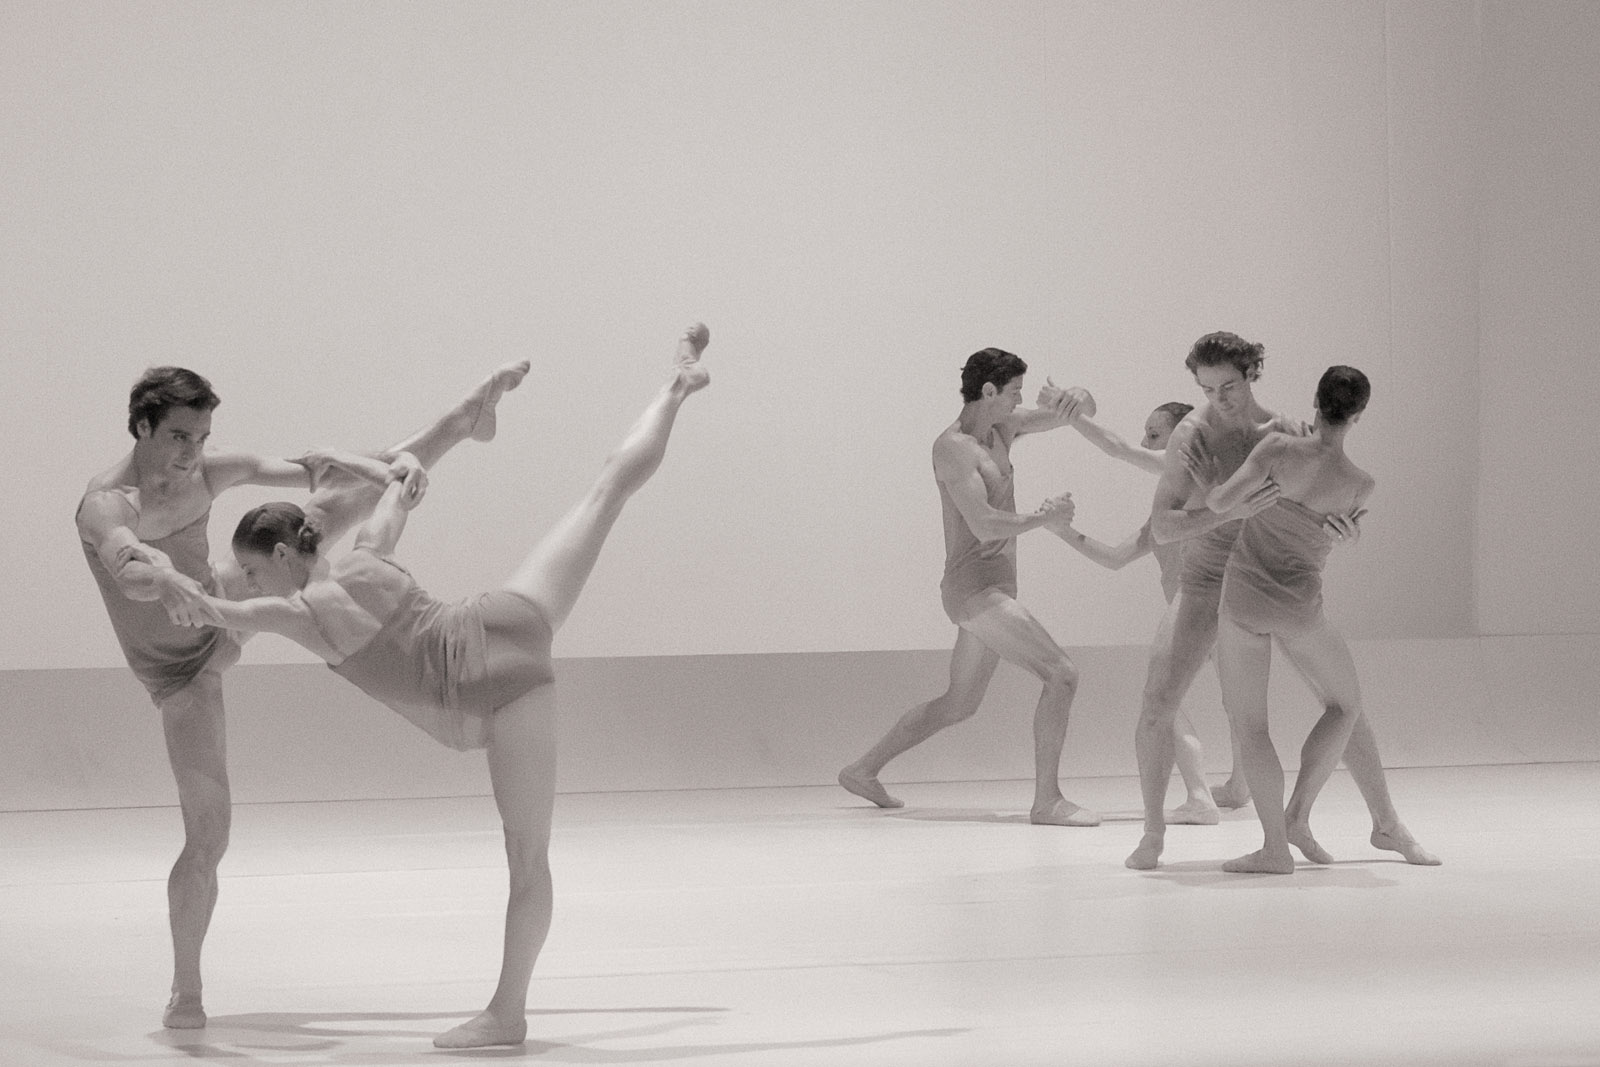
(1198,807)
(1272,590)
(473,674)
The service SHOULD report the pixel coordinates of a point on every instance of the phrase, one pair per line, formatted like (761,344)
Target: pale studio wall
(342,216)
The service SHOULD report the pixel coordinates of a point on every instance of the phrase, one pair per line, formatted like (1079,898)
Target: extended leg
(1366,768)
(343,500)
(192,720)
(1182,643)
(555,571)
(522,769)
(1012,632)
(972,664)
(1243,661)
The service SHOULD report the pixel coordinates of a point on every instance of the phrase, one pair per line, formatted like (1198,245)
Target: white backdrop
(344,214)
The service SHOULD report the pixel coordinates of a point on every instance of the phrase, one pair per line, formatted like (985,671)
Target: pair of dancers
(473,674)
(1206,446)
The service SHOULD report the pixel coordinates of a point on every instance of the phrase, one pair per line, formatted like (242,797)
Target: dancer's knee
(205,840)
(955,706)
(1061,677)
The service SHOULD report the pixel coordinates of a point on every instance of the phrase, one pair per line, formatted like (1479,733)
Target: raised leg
(555,571)
(1244,661)
(972,664)
(343,500)
(1182,643)
(522,769)
(192,721)
(1017,637)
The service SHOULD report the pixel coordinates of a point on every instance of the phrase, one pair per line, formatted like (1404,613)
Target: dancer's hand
(1261,498)
(412,475)
(1345,526)
(1066,404)
(184,600)
(1057,510)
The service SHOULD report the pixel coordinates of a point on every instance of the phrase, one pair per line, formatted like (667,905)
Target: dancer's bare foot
(1262,862)
(1233,793)
(867,787)
(487,1029)
(1300,837)
(183,1012)
(1062,812)
(1400,840)
(478,409)
(1196,811)
(1147,857)
(691,375)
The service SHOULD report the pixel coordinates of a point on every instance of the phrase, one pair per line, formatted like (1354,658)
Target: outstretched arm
(227,469)
(1113,445)
(262,614)
(1057,408)
(1108,556)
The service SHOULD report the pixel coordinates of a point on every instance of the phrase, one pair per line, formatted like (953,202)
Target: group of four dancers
(477,673)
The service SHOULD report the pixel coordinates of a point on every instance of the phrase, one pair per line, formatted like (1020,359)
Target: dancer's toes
(1300,837)
(1062,812)
(869,788)
(480,403)
(1233,793)
(1262,862)
(1147,857)
(692,343)
(1194,812)
(487,1029)
(1402,842)
(183,1012)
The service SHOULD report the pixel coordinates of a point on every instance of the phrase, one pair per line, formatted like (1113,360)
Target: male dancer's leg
(1011,631)
(972,664)
(192,721)
(1366,770)
(1197,809)
(1182,643)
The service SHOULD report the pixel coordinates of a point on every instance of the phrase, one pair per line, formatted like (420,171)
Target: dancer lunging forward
(972,466)
(1272,591)
(473,674)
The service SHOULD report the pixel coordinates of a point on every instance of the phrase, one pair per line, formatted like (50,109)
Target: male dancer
(142,522)
(972,468)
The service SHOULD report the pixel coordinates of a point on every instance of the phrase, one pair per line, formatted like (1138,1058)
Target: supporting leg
(1243,662)
(1197,808)
(522,769)
(1323,659)
(192,720)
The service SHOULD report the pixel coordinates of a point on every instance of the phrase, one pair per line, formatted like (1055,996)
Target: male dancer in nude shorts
(142,522)
(972,467)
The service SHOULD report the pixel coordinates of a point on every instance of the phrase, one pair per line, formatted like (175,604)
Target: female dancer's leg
(523,736)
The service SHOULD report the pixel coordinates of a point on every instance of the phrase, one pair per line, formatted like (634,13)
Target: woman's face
(1158,430)
(271,575)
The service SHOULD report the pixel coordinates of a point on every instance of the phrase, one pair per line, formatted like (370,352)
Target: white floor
(796,926)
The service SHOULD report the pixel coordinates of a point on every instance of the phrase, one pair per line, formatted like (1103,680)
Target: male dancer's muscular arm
(105,523)
(957,468)
(1170,518)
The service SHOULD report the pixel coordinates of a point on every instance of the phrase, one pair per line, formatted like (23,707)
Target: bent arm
(958,471)
(1252,474)
(141,572)
(1108,556)
(381,532)
(1057,407)
(1171,519)
(1113,445)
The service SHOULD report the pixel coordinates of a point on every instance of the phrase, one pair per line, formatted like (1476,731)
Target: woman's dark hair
(1342,394)
(160,389)
(280,523)
(989,365)
(1177,409)
(1222,347)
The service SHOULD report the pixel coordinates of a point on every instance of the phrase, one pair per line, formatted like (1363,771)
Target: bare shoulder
(105,507)
(954,451)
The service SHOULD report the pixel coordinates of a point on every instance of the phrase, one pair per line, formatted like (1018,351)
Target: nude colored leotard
(445,666)
(164,657)
(971,565)
(1273,583)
